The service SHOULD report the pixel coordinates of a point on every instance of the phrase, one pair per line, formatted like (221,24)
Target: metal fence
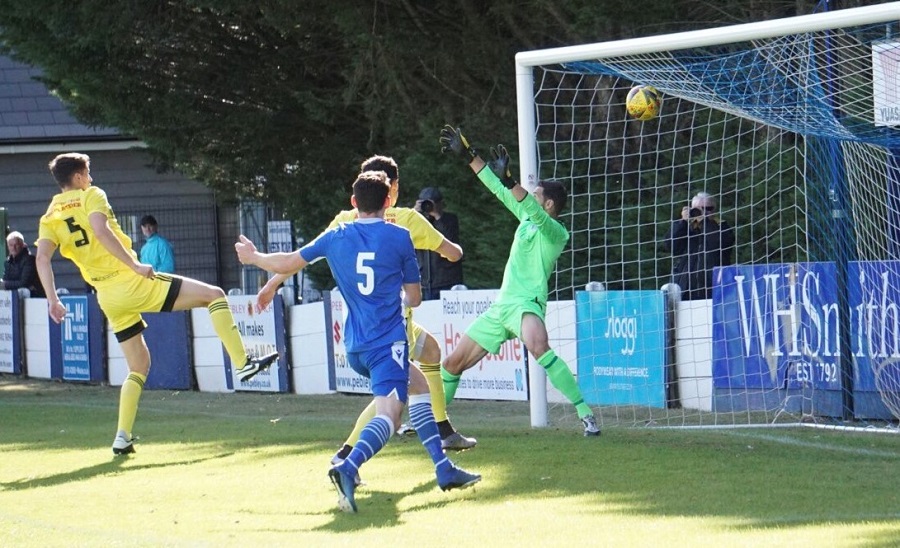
(202,237)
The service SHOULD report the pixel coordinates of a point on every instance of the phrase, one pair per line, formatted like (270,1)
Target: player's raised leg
(194,294)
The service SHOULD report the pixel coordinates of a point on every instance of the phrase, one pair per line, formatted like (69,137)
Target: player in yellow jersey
(81,223)
(423,347)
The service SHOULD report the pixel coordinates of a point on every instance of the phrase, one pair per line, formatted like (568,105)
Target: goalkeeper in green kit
(522,302)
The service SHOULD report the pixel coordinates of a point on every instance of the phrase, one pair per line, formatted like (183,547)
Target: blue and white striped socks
(372,438)
(422,419)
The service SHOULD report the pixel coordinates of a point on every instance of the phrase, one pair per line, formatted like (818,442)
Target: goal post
(793,127)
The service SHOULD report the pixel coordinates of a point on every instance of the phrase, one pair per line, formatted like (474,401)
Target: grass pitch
(250,470)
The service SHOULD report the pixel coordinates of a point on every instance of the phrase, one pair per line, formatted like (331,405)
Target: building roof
(29,113)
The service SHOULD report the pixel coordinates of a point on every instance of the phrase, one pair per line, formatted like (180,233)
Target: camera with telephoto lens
(695,212)
(427,206)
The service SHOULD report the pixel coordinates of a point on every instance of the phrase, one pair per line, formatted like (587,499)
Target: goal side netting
(793,128)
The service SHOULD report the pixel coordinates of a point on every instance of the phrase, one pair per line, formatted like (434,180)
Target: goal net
(791,127)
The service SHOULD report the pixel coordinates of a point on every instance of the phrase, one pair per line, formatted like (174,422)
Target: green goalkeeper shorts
(501,322)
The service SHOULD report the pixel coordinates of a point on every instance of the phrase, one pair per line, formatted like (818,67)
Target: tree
(281,100)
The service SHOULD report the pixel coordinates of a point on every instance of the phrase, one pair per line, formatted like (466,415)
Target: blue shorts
(387,367)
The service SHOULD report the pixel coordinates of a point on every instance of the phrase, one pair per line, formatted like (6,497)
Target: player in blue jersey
(375,267)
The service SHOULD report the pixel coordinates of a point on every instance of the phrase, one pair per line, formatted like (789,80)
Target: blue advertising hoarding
(874,301)
(776,327)
(621,347)
(168,339)
(75,339)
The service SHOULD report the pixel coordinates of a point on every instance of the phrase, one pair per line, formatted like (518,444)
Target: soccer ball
(643,102)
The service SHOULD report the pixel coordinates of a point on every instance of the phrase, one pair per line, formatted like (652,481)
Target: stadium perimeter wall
(186,348)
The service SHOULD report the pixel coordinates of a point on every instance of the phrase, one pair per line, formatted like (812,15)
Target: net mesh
(795,138)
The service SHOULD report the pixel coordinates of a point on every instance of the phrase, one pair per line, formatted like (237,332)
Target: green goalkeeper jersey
(538,243)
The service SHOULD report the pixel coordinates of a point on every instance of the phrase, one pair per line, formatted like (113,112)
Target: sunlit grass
(250,470)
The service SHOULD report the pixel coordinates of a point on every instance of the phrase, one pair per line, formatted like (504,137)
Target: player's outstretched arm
(266,293)
(452,140)
(279,263)
(498,178)
(499,164)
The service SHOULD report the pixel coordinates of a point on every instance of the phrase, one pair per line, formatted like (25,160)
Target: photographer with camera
(699,242)
(437,272)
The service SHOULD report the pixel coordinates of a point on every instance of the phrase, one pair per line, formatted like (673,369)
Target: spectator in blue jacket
(157,251)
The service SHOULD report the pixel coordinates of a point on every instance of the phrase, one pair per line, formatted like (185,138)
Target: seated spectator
(20,267)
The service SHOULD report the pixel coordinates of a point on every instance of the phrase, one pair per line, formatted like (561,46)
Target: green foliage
(281,100)
(630,181)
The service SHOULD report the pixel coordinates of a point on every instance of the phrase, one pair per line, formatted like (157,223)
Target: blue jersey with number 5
(370,260)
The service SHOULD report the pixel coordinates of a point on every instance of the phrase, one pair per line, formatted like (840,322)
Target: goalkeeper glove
(500,166)
(452,140)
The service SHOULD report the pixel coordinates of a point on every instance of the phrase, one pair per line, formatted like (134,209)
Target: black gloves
(452,140)
(500,166)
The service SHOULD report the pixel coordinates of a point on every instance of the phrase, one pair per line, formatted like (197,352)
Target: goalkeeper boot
(455,477)
(123,444)
(458,442)
(255,365)
(345,489)
(406,429)
(590,426)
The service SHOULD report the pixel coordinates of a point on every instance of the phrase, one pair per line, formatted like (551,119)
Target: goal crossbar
(709,37)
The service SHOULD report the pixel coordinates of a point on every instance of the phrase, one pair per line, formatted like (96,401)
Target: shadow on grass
(377,510)
(111,467)
(754,479)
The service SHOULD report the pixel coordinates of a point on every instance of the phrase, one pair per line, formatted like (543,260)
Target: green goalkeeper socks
(451,383)
(561,377)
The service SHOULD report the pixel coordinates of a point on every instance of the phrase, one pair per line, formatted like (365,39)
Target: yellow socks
(223,323)
(128,401)
(432,372)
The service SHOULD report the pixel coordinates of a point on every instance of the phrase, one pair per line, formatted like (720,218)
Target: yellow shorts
(415,335)
(123,302)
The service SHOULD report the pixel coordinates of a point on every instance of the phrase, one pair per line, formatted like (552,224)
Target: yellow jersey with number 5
(67,225)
